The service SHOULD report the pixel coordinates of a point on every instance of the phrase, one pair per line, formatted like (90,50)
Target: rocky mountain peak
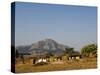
(46,44)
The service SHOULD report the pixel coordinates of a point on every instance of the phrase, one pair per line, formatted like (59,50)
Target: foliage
(69,50)
(22,57)
(17,54)
(88,49)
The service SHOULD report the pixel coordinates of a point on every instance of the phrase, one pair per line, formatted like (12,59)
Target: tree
(17,54)
(69,50)
(89,49)
(22,57)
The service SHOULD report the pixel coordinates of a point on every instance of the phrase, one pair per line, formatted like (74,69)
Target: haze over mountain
(43,45)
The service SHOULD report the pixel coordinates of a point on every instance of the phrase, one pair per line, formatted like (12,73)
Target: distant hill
(46,45)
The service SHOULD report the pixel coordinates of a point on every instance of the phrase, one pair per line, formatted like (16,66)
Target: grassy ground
(86,63)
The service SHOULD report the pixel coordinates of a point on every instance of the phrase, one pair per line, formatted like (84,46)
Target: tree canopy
(89,49)
(17,54)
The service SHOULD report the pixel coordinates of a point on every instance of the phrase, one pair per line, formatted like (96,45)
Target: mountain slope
(48,45)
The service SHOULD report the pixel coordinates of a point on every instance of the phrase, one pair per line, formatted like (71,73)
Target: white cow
(40,60)
(44,60)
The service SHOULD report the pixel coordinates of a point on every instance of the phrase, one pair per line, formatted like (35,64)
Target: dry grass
(86,63)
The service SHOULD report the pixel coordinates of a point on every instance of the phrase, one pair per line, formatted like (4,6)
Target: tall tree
(22,57)
(69,50)
(17,54)
(89,49)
